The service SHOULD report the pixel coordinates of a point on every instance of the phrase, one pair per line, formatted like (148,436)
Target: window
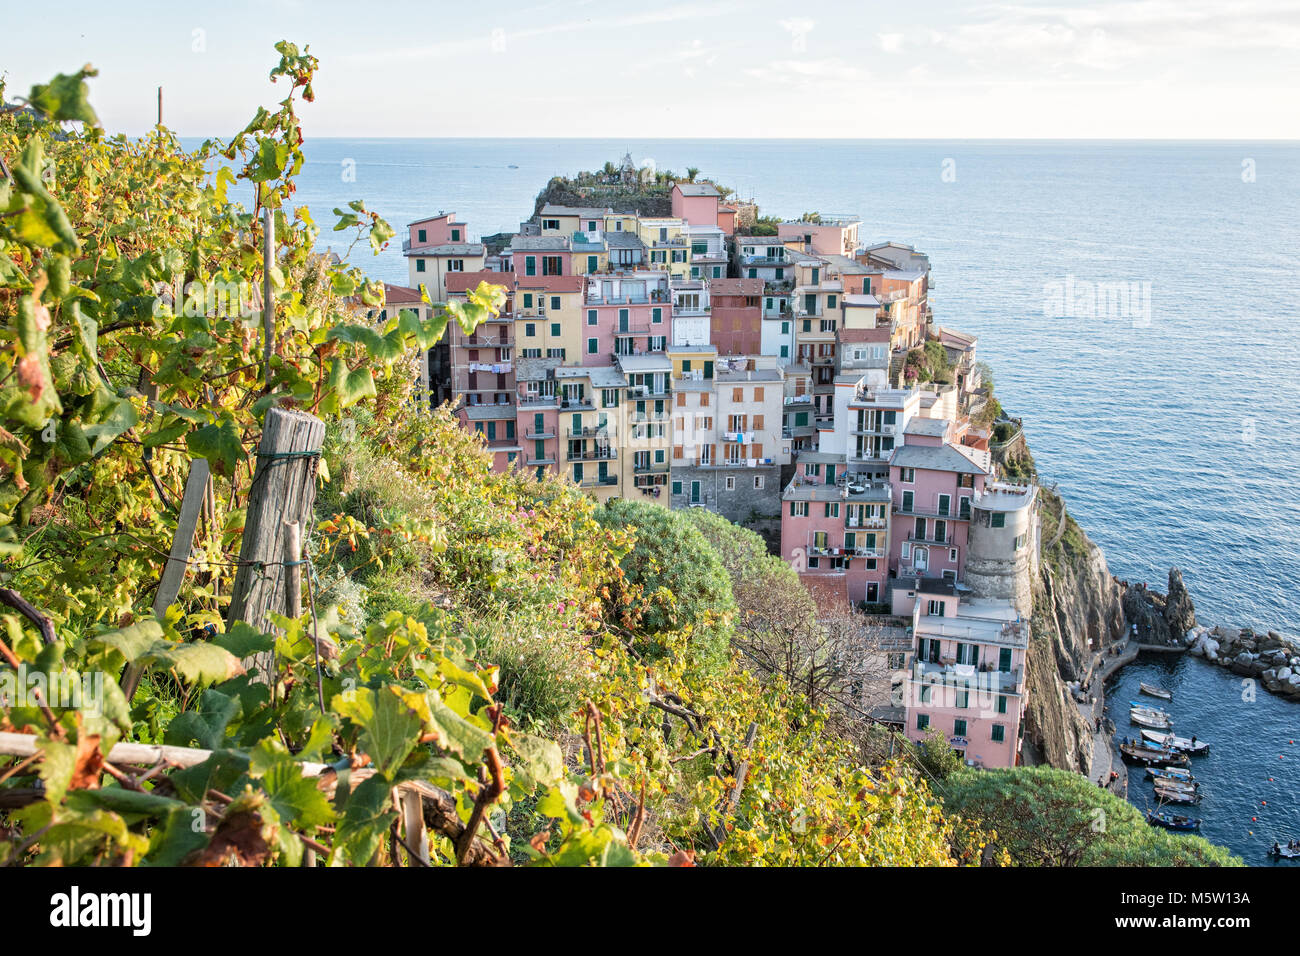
(959,727)
(936,609)
(455,265)
(555,329)
(952,555)
(555,353)
(593,345)
(555,303)
(1002,703)
(925,693)
(1004,661)
(550,224)
(731,483)
(530,329)
(997,520)
(922,721)
(591,316)
(832,509)
(906,475)
(1021,540)
(830,301)
(552,266)
(423,236)
(656,315)
(593,263)
(530,267)
(419,265)
(945,503)
(758,482)
(998,733)
(609,398)
(798,509)
(941,531)
(677,485)
(455,235)
(963,699)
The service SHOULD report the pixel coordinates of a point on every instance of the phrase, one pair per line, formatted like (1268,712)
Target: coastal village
(794,381)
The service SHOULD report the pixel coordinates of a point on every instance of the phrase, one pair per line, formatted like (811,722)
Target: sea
(1137,301)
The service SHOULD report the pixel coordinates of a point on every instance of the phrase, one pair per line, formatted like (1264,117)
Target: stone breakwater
(1272,658)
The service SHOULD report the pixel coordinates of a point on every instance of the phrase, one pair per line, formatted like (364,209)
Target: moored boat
(1155,691)
(1150,717)
(1170,773)
(1166,794)
(1289,852)
(1187,745)
(1173,821)
(1151,756)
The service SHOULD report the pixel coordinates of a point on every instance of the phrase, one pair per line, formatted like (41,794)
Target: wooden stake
(178,560)
(268,292)
(283,490)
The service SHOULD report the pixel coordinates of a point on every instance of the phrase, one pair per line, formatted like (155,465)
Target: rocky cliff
(1077,610)
(1161,619)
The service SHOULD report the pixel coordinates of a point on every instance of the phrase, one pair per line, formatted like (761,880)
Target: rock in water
(1180,615)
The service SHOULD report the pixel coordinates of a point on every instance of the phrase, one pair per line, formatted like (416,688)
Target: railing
(870,524)
(594,454)
(651,468)
(531,400)
(587,403)
(915,539)
(534,435)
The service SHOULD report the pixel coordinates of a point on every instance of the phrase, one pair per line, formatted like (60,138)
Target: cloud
(890,42)
(797,26)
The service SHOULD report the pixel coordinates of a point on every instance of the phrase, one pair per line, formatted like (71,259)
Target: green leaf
(455,733)
(220,444)
(365,822)
(540,760)
(66,97)
(390,726)
(243,640)
(122,417)
(206,724)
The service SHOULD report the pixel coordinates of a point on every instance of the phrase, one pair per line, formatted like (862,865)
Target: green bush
(684,583)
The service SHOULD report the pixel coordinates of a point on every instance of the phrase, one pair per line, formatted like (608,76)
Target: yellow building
(548,317)
(667,244)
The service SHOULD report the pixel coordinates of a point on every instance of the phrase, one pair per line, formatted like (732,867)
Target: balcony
(982,677)
(593,454)
(867,524)
(931,512)
(534,462)
(945,542)
(598,481)
(538,401)
(650,416)
(534,434)
(647,391)
(622,299)
(651,468)
(578,404)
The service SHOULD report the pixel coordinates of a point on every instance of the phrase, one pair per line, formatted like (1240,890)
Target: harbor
(1228,760)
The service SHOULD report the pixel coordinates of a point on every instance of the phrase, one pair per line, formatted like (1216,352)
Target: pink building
(442,229)
(934,482)
(697,203)
(966,676)
(835,529)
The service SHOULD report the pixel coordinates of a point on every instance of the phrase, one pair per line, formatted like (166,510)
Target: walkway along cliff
(1077,612)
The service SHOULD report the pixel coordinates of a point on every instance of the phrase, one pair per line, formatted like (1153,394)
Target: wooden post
(268,292)
(178,560)
(160,106)
(417,837)
(293,606)
(283,490)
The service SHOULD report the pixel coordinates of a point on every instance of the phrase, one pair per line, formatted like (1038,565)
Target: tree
(830,655)
(691,173)
(1048,817)
(682,585)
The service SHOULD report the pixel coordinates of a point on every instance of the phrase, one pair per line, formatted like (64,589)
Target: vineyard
(263,608)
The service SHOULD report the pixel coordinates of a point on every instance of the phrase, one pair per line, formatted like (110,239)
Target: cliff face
(1077,604)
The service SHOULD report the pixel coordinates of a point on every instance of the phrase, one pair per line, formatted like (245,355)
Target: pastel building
(625,313)
(696,203)
(835,529)
(436,247)
(935,482)
(966,675)
(835,235)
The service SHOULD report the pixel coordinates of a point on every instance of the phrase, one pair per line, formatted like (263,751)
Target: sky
(1161,69)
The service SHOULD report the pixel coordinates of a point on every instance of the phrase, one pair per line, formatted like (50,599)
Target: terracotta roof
(826,589)
(400,293)
(736,286)
(465,281)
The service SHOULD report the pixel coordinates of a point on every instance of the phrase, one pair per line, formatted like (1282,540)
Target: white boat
(1149,717)
(1155,691)
(1170,773)
(1184,744)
